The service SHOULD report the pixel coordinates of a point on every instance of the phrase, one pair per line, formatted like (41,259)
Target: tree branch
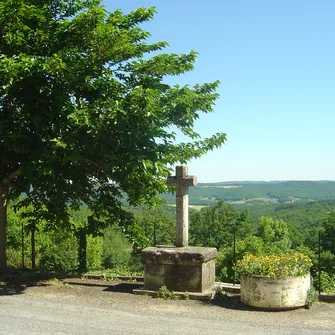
(7,180)
(99,165)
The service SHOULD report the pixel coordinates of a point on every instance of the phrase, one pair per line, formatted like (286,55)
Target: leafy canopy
(216,225)
(85,113)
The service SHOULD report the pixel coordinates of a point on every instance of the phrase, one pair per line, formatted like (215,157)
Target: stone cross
(182,182)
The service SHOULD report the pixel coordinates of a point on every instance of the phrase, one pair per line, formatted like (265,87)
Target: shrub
(327,282)
(58,251)
(94,253)
(116,249)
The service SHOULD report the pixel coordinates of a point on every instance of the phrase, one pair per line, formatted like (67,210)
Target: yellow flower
(274,265)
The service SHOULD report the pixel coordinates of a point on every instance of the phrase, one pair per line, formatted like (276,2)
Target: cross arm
(184,182)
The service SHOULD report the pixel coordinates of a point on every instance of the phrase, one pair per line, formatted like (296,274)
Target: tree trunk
(82,250)
(3,220)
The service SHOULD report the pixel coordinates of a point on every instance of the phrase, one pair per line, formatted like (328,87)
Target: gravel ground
(213,317)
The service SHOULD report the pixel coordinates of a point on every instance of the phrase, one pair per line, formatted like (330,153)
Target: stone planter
(275,293)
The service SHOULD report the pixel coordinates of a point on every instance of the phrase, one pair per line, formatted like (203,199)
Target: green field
(258,192)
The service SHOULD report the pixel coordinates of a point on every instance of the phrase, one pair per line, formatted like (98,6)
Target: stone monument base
(180,269)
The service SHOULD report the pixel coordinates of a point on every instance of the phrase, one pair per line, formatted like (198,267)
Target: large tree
(85,113)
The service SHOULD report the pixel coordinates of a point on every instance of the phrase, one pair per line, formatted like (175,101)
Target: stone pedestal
(180,269)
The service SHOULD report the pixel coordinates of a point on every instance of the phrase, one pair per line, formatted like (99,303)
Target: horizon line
(265,181)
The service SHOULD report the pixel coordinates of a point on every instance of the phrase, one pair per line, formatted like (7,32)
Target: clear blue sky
(276,64)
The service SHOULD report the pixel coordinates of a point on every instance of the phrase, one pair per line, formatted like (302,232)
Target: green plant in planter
(286,265)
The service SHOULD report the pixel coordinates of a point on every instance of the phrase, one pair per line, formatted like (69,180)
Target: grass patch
(56,283)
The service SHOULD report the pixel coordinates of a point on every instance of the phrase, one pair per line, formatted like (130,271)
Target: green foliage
(312,297)
(328,232)
(18,231)
(14,229)
(116,249)
(275,235)
(58,251)
(225,267)
(94,253)
(164,293)
(153,226)
(253,245)
(221,293)
(55,250)
(86,113)
(56,283)
(327,282)
(327,260)
(215,225)
(186,296)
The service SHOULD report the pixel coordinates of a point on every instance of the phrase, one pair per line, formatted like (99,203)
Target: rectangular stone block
(190,269)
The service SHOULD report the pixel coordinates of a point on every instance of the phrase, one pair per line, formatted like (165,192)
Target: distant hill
(258,192)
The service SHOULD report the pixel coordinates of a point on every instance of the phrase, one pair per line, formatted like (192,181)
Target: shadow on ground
(11,289)
(234,302)
(11,286)
(123,287)
(16,282)
(230,302)
(120,287)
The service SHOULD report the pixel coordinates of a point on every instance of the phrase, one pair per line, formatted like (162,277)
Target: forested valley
(235,230)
